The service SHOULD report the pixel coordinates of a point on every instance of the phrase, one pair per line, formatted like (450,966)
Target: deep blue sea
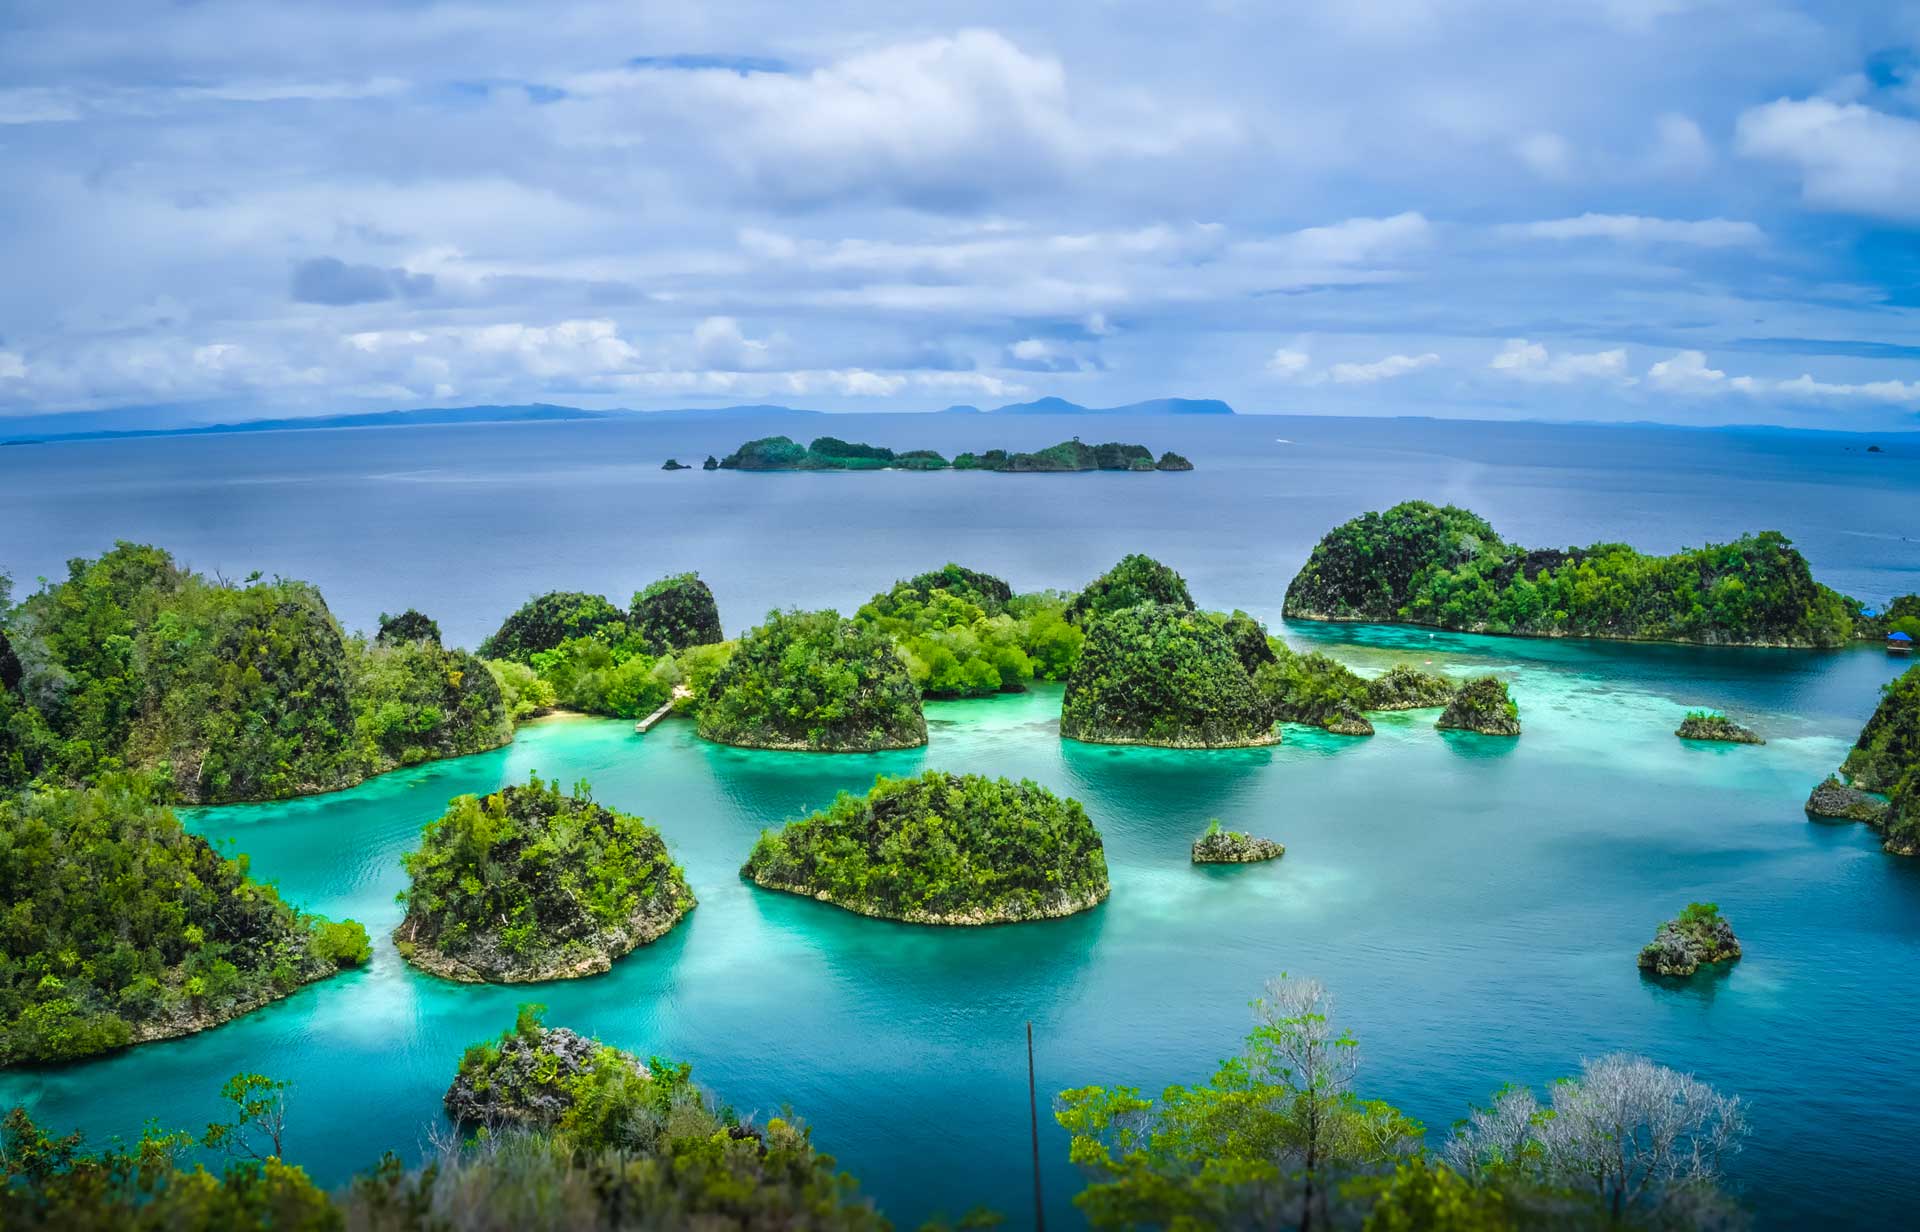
(1474,904)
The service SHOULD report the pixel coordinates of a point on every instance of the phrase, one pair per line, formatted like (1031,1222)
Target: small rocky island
(531,884)
(1221,846)
(1482,705)
(1697,937)
(1708,725)
(1835,800)
(1159,674)
(830,453)
(532,1075)
(675,464)
(940,849)
(814,682)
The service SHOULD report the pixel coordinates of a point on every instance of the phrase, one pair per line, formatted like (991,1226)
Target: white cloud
(1637,228)
(12,367)
(1098,325)
(1850,156)
(1381,369)
(37,106)
(1531,361)
(1679,146)
(1687,372)
(1288,362)
(1352,242)
(1032,348)
(719,344)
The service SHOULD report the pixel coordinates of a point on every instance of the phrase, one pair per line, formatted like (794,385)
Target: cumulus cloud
(1638,228)
(719,344)
(1688,373)
(1850,156)
(331,281)
(1532,361)
(1288,362)
(1380,369)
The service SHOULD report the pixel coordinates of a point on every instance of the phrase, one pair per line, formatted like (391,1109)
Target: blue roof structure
(1899,637)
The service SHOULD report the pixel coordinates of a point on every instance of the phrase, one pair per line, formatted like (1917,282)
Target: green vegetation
(541,1077)
(414,701)
(546,621)
(1314,689)
(965,634)
(1135,580)
(1404,687)
(829,453)
(1712,725)
(814,681)
(1697,937)
(1836,801)
(532,884)
(940,849)
(1279,1138)
(675,613)
(626,1148)
(1482,705)
(1161,674)
(1885,759)
(408,626)
(118,927)
(588,656)
(1442,566)
(674,464)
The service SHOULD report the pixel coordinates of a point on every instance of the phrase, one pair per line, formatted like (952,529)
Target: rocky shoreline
(489,964)
(1697,937)
(1218,846)
(1718,727)
(976,917)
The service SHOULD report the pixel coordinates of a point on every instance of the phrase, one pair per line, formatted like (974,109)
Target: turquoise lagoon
(1475,905)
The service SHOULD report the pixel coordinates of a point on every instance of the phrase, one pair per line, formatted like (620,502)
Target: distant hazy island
(941,849)
(830,453)
(1445,567)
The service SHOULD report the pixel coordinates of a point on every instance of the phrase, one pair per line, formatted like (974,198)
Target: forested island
(965,633)
(530,883)
(121,928)
(218,692)
(814,682)
(1482,705)
(539,1077)
(940,849)
(1444,567)
(1885,760)
(1711,725)
(830,453)
(1218,845)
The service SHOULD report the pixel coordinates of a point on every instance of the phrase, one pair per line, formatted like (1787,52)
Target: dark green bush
(814,681)
(1160,674)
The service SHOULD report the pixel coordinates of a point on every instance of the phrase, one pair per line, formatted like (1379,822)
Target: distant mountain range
(539,412)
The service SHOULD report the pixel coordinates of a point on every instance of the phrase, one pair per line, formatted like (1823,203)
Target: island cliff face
(1443,567)
(813,682)
(1220,846)
(1885,759)
(1158,674)
(531,884)
(531,1076)
(940,849)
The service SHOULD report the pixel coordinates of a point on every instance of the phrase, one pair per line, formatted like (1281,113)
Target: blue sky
(1691,211)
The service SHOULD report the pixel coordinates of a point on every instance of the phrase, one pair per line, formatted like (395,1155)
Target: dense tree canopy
(941,849)
(545,621)
(1482,705)
(117,927)
(409,626)
(1161,674)
(1889,744)
(1443,566)
(530,883)
(964,634)
(415,702)
(675,613)
(814,681)
(1135,580)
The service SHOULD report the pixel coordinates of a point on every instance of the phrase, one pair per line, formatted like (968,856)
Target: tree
(1263,1143)
(1641,1139)
(259,1128)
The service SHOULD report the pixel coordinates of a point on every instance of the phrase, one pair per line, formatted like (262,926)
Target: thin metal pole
(1033,1117)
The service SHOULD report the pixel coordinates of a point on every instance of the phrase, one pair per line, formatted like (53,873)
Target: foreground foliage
(1443,566)
(965,634)
(530,883)
(119,927)
(941,849)
(1163,675)
(1279,1137)
(814,681)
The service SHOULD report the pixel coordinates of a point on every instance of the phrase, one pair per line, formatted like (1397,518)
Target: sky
(1686,211)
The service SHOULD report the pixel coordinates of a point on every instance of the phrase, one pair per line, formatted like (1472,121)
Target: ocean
(1475,905)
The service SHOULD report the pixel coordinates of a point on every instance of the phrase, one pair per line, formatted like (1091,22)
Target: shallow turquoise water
(1475,905)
